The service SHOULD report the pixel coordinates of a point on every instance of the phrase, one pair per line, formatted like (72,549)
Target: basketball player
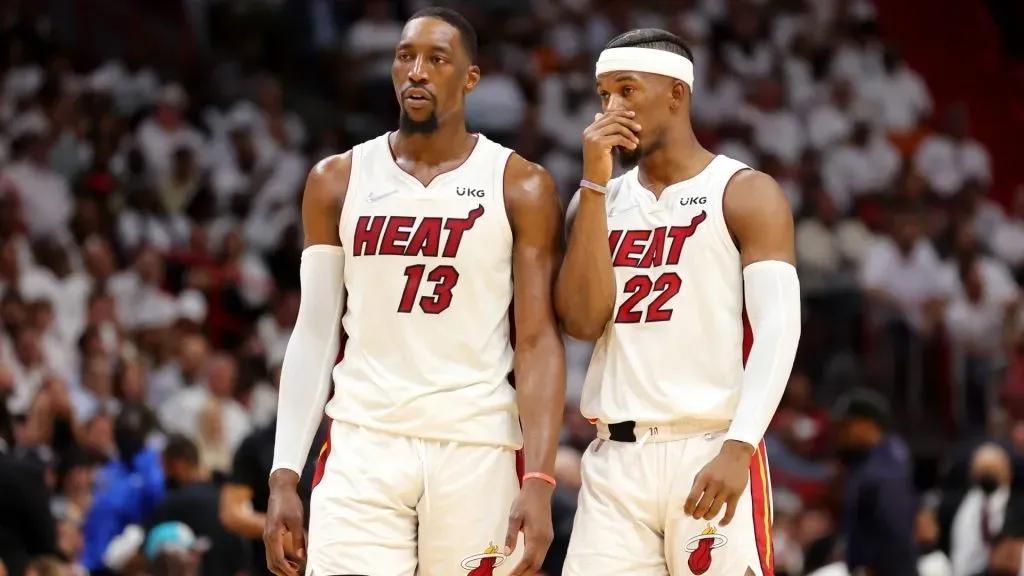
(659,265)
(414,240)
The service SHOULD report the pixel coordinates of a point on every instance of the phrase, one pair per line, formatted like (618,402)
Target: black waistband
(622,431)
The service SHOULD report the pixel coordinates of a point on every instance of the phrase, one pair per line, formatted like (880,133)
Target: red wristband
(540,476)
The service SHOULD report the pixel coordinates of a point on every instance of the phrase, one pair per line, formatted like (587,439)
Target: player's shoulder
(526,181)
(327,182)
(750,189)
(519,171)
(332,167)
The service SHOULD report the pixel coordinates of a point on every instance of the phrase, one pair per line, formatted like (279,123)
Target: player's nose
(418,70)
(616,104)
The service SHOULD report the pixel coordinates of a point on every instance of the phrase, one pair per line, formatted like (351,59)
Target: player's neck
(448,142)
(679,158)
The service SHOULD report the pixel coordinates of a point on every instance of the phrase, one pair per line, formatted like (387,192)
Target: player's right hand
(611,129)
(284,527)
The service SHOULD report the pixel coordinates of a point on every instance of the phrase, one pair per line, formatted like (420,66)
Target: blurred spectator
(777,130)
(371,42)
(96,392)
(865,164)
(933,561)
(1007,239)
(172,549)
(209,415)
(976,320)
(42,193)
(983,510)
(950,158)
(26,526)
(832,122)
(194,501)
(901,272)
(880,503)
(244,496)
(185,371)
(496,106)
(898,97)
(129,487)
(829,246)
(166,131)
(275,328)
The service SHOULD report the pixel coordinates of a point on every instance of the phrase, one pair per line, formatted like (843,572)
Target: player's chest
(463,223)
(644,233)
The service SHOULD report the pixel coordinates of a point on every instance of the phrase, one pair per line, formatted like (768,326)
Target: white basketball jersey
(428,271)
(673,349)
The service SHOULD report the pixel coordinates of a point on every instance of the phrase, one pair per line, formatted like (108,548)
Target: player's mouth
(417,98)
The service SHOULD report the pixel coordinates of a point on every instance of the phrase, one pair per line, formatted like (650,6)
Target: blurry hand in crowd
(1005,559)
(6,381)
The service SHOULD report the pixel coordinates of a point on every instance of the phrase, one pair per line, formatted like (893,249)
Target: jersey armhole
(723,230)
(502,159)
(353,178)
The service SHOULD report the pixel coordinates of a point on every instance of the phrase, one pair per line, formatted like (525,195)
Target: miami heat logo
(484,564)
(700,548)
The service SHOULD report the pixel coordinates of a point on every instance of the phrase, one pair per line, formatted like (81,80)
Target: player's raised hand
(284,528)
(720,483)
(531,515)
(611,129)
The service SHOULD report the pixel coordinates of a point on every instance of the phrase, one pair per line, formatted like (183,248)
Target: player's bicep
(323,198)
(536,218)
(759,218)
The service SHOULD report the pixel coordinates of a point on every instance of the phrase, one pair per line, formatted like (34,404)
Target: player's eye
(437,60)
(627,90)
(404,56)
(605,96)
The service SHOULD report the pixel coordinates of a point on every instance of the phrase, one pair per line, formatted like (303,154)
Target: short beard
(408,126)
(629,158)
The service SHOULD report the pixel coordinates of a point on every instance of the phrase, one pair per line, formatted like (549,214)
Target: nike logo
(375,197)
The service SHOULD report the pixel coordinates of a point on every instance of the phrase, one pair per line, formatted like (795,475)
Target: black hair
(466,31)
(863,403)
(654,38)
(181,448)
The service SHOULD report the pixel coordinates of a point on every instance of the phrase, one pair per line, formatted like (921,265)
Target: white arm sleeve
(772,293)
(309,357)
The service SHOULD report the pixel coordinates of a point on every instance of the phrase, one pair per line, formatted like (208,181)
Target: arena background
(152,158)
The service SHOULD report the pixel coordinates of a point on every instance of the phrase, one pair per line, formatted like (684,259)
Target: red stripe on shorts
(760,503)
(321,459)
(325,450)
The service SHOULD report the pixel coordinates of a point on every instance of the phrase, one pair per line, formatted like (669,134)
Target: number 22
(641,286)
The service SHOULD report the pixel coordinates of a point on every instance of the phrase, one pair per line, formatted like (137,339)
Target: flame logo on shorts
(700,548)
(484,564)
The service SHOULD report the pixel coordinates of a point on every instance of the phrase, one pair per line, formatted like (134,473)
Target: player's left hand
(720,483)
(531,515)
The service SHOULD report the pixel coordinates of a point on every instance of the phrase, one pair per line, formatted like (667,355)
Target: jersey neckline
(675,186)
(420,186)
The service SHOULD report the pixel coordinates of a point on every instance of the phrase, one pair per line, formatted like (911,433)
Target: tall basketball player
(659,265)
(418,240)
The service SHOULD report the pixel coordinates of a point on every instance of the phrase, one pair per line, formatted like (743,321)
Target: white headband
(646,60)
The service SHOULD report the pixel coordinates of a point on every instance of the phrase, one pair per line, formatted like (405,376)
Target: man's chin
(409,125)
(628,158)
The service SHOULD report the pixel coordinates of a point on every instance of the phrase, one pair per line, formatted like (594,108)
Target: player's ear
(472,77)
(680,93)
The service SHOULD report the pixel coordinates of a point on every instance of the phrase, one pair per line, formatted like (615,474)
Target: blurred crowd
(150,239)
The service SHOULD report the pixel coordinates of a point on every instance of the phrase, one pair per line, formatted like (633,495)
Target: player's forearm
(772,293)
(246,524)
(585,290)
(540,390)
(309,357)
